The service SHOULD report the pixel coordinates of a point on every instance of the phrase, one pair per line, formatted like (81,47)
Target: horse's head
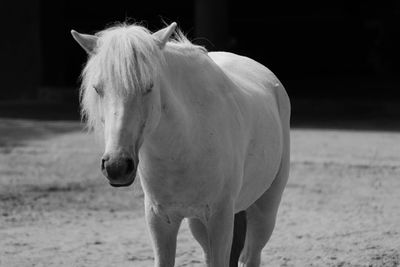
(121,93)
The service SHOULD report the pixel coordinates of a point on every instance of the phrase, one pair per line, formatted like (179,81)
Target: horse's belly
(261,165)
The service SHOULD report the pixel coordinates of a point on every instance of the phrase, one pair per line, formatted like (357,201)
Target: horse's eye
(98,91)
(148,89)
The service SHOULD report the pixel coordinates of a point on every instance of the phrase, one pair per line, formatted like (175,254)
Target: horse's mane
(128,57)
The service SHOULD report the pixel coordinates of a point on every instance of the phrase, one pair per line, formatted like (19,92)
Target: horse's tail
(239,236)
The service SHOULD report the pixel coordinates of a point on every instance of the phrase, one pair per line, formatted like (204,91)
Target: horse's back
(269,109)
(254,79)
(245,72)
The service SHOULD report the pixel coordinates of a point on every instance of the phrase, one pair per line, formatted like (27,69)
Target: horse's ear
(88,42)
(163,35)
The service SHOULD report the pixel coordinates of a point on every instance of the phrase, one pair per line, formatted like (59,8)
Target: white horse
(207,132)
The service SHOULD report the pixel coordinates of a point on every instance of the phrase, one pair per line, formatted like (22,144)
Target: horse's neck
(188,71)
(181,82)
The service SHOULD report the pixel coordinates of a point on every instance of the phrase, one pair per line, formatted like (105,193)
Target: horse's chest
(171,180)
(168,211)
(181,188)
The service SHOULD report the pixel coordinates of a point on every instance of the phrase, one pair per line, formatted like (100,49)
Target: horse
(207,133)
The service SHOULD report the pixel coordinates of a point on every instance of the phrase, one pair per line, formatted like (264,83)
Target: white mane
(125,60)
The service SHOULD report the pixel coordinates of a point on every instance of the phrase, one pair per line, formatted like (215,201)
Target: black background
(330,55)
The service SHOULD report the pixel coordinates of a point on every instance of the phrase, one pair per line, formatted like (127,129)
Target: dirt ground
(341,206)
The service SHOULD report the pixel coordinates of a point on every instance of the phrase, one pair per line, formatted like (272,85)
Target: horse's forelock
(128,57)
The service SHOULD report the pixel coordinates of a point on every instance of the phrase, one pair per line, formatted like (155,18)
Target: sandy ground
(341,206)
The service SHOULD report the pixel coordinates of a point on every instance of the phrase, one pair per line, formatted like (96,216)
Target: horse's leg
(199,232)
(163,233)
(260,224)
(239,237)
(261,217)
(220,229)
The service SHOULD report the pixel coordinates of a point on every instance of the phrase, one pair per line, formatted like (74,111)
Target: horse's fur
(217,144)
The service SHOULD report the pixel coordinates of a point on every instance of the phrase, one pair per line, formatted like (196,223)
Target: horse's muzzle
(119,170)
(123,185)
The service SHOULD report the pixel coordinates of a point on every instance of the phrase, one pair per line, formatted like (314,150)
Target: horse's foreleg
(163,231)
(220,229)
(199,232)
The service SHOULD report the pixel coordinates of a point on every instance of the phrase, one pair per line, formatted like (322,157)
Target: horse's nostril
(102,164)
(103,161)
(129,165)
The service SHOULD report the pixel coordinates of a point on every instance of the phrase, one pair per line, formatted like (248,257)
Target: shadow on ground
(16,132)
(22,121)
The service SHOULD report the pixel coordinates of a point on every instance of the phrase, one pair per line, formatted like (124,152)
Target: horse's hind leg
(239,236)
(260,224)
(261,217)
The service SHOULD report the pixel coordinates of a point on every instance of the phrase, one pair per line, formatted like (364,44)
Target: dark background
(339,60)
